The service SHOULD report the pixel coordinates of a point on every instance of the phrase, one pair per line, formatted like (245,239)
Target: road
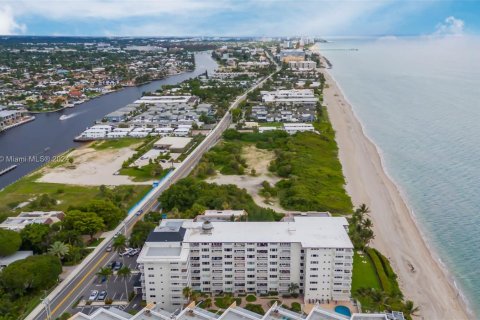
(70,290)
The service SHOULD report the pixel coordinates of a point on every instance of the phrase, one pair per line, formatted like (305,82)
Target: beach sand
(396,233)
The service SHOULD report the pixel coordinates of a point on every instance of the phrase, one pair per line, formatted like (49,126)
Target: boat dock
(6,170)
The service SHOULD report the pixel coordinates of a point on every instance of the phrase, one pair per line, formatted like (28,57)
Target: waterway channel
(31,144)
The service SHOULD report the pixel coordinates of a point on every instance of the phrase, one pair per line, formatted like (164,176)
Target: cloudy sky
(239,17)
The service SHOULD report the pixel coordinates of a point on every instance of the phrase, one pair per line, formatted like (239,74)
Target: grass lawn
(270,124)
(66,195)
(142,174)
(115,143)
(364,273)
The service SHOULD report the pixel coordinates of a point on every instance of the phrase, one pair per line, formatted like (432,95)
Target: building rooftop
(192,312)
(328,232)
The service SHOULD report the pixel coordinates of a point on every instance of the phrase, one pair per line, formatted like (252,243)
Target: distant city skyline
(237,18)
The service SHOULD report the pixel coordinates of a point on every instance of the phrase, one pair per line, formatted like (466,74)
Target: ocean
(419,102)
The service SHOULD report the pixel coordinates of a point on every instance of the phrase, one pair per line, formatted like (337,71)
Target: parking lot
(117,288)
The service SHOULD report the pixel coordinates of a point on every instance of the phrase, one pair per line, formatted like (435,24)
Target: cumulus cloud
(450,26)
(8,24)
(209,17)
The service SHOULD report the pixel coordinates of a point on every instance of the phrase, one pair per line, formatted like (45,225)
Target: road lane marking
(79,283)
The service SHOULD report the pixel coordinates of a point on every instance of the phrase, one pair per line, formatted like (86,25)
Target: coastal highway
(69,290)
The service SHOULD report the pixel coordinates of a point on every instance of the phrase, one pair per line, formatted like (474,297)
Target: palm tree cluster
(360,228)
(381,301)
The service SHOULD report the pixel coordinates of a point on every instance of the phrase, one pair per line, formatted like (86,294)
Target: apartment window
(313,282)
(205,250)
(150,268)
(151,282)
(313,262)
(151,275)
(273,269)
(153,296)
(228,256)
(205,256)
(313,269)
(272,256)
(152,289)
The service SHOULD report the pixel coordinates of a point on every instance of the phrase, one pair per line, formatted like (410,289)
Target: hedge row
(384,279)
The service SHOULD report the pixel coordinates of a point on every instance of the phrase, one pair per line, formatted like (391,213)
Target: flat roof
(173,142)
(163,251)
(314,232)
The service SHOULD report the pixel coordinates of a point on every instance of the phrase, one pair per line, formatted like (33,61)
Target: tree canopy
(33,273)
(88,223)
(10,242)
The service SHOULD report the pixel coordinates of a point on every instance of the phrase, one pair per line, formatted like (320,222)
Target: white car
(93,295)
(126,252)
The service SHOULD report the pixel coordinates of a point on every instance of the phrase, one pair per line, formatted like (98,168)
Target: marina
(48,131)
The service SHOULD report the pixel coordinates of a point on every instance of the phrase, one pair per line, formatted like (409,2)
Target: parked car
(93,295)
(112,265)
(133,252)
(102,295)
(109,248)
(118,266)
(126,252)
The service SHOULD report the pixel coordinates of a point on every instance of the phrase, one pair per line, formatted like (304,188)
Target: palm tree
(410,309)
(292,288)
(59,249)
(125,272)
(119,243)
(105,273)
(187,292)
(363,209)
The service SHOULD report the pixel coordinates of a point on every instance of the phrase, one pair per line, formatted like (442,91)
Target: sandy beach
(396,234)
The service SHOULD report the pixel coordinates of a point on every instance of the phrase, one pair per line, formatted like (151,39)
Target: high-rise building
(315,253)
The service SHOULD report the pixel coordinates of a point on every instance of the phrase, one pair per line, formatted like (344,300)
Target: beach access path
(396,233)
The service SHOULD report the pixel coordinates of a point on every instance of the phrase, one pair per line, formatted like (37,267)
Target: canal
(30,144)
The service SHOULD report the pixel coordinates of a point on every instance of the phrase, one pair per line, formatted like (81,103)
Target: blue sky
(238,17)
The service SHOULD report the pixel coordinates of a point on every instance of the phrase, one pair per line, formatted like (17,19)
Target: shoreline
(431,286)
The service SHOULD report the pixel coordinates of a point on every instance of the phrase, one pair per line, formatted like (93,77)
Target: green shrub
(297,307)
(251,298)
(384,279)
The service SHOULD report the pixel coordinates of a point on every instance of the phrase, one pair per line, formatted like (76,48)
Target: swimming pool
(343,310)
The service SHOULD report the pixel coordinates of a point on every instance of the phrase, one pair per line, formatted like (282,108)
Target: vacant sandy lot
(259,160)
(92,168)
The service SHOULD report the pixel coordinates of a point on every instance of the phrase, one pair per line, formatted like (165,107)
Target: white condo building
(313,252)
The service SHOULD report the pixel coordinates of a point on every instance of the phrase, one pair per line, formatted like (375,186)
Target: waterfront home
(303,97)
(292,128)
(96,132)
